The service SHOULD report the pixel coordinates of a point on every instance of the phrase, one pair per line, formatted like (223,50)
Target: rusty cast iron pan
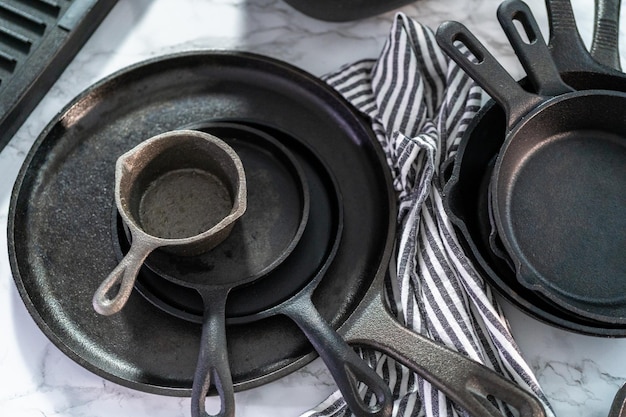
(555,269)
(60,235)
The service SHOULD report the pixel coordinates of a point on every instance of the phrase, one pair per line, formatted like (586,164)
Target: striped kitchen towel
(419,104)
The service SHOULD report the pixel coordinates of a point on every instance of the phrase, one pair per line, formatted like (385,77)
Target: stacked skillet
(538,187)
(307,216)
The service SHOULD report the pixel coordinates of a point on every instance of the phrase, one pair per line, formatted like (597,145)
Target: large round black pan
(60,231)
(558,182)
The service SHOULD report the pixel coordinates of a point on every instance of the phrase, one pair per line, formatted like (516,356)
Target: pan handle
(605,41)
(106,300)
(213,367)
(346,367)
(466,382)
(567,47)
(532,51)
(486,71)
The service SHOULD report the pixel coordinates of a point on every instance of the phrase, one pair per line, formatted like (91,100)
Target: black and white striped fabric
(420,103)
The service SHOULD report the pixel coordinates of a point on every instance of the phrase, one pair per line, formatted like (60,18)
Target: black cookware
(371,324)
(58,251)
(347,368)
(60,230)
(605,40)
(181,191)
(279,191)
(465,193)
(558,182)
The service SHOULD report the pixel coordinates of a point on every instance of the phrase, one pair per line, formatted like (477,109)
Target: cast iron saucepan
(181,191)
(466,191)
(371,324)
(558,183)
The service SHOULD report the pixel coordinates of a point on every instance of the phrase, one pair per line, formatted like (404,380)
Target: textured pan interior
(60,234)
(466,203)
(560,202)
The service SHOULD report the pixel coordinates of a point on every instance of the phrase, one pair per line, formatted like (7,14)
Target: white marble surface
(580,374)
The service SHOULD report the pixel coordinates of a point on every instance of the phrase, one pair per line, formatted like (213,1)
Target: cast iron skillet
(371,324)
(272,193)
(465,196)
(347,368)
(558,184)
(61,242)
(60,235)
(244,257)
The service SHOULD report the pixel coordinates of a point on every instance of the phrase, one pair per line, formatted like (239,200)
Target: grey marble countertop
(580,374)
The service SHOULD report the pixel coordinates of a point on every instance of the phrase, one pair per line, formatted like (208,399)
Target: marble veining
(580,374)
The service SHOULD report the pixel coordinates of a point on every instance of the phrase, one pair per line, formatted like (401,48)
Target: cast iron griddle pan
(558,184)
(60,233)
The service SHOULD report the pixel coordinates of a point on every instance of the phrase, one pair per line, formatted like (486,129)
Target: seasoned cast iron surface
(60,235)
(276,284)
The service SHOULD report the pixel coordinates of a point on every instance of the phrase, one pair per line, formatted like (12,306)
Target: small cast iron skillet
(558,183)
(214,283)
(465,193)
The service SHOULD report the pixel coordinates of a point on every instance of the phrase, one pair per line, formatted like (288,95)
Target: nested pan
(465,192)
(61,241)
(559,181)
(347,368)
(371,324)
(60,233)
(597,69)
(232,265)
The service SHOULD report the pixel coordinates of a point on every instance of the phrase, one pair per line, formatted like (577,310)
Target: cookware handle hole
(379,401)
(349,370)
(113,291)
(213,367)
(465,47)
(524,29)
(212,407)
(489,388)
